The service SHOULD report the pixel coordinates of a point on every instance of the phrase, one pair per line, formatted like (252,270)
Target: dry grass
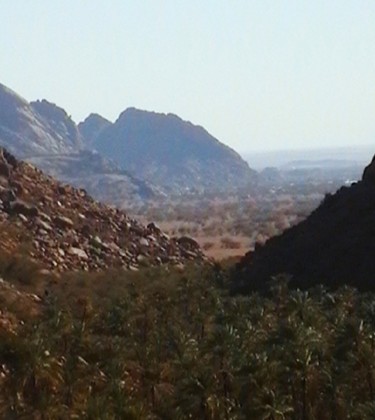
(218,247)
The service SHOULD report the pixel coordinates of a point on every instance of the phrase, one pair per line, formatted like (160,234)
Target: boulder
(153,228)
(63,222)
(144,242)
(4,169)
(80,253)
(187,242)
(20,207)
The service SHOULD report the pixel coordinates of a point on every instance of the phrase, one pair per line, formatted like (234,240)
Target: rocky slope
(334,246)
(171,153)
(65,229)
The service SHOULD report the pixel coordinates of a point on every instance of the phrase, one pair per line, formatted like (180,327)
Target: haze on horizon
(257,74)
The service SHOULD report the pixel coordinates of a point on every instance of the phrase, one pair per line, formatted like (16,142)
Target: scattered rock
(43,225)
(144,242)
(153,228)
(70,231)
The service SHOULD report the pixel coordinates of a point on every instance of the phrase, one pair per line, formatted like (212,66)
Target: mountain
(142,155)
(36,128)
(63,228)
(91,127)
(44,134)
(334,246)
(60,122)
(171,153)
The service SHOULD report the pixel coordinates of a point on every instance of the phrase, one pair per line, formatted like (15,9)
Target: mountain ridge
(44,134)
(152,151)
(171,152)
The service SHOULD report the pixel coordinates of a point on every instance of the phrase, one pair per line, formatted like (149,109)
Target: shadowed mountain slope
(334,246)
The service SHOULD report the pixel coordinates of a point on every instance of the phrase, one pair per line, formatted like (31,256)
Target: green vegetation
(162,344)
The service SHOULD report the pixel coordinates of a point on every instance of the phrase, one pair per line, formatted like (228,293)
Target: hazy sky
(257,74)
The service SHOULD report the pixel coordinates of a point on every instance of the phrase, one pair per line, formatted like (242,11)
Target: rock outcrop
(68,230)
(334,246)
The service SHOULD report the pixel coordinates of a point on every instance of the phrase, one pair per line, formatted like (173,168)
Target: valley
(228,225)
(148,272)
(187,210)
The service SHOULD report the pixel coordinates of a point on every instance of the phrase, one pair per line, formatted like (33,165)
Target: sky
(257,74)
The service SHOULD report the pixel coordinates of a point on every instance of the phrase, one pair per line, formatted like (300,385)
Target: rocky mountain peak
(50,110)
(91,127)
(14,110)
(37,128)
(146,153)
(9,97)
(58,119)
(171,152)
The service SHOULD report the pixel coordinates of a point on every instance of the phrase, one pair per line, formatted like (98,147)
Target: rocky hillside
(171,153)
(65,229)
(334,246)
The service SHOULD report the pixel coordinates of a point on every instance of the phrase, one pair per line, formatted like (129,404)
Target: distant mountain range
(141,155)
